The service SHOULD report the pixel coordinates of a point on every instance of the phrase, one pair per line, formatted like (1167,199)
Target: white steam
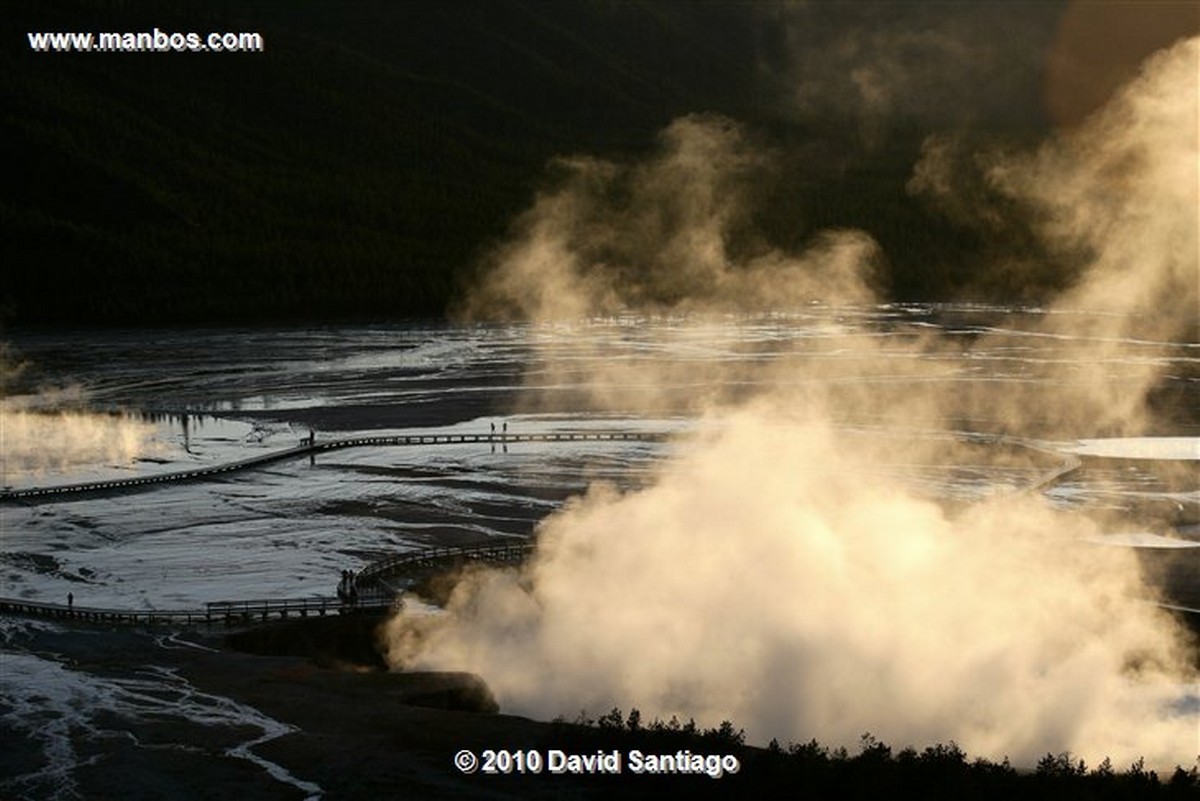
(770,575)
(750,585)
(671,234)
(1120,198)
(35,439)
(53,430)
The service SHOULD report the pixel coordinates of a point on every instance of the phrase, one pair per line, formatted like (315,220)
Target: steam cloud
(35,441)
(52,430)
(1120,198)
(669,235)
(791,594)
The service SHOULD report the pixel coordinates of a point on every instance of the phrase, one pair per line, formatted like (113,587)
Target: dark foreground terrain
(359,732)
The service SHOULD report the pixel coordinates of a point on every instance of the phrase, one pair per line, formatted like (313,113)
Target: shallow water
(217,395)
(67,718)
(288,529)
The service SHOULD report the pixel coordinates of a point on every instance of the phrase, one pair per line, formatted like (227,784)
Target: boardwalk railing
(89,614)
(142,482)
(220,612)
(381,574)
(375,594)
(262,610)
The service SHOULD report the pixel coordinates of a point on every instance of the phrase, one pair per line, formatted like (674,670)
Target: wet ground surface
(83,710)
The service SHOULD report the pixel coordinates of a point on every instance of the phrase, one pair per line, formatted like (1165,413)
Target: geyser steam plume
(760,577)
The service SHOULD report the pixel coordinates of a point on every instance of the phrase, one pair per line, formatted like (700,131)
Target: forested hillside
(357,167)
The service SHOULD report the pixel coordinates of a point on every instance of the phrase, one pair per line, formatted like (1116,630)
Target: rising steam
(671,235)
(35,441)
(53,430)
(1118,197)
(770,575)
(824,602)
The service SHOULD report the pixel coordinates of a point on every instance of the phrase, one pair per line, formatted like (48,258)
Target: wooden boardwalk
(376,593)
(383,576)
(227,613)
(134,484)
(377,582)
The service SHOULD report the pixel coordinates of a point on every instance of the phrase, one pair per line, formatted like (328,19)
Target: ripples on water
(219,395)
(290,528)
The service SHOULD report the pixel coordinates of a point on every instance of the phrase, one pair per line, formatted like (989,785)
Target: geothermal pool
(163,401)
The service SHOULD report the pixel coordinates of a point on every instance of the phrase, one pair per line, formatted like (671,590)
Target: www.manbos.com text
(155,41)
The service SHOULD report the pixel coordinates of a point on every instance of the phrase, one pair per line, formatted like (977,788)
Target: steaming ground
(762,579)
(289,529)
(829,553)
(771,575)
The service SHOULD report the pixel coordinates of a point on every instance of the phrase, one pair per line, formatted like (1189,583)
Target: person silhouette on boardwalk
(70,600)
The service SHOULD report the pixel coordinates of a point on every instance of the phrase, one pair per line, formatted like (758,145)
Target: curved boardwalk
(376,582)
(380,582)
(65,491)
(383,575)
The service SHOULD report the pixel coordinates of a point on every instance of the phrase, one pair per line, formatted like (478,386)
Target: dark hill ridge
(358,165)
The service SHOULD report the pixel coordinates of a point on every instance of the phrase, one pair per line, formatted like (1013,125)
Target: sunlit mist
(33,441)
(769,573)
